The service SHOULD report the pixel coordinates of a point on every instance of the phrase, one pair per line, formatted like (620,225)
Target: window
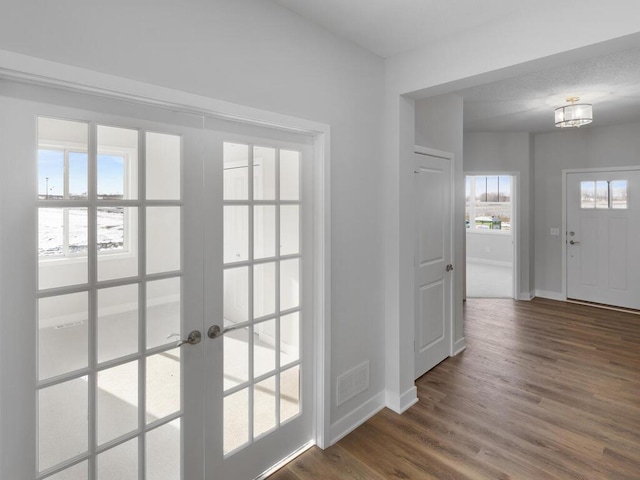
(63,186)
(488,202)
(604,194)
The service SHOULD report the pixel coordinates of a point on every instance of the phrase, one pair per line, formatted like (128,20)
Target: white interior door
(115,246)
(433,265)
(603,227)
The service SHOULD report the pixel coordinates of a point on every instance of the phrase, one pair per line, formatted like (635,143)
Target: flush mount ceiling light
(574,114)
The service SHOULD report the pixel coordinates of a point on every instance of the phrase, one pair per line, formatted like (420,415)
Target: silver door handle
(573,242)
(215,331)
(193,339)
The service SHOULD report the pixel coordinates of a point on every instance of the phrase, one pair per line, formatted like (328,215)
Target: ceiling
(524,103)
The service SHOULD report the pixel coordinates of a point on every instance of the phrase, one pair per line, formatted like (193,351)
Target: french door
(155,303)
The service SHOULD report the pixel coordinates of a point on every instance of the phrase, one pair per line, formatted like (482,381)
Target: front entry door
(433,265)
(124,240)
(603,227)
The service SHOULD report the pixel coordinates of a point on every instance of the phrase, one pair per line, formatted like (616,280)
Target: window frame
(472,202)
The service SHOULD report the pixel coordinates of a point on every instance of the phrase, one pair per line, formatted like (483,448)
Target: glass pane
(117,242)
(163,166)
(289,393)
(504,187)
(77,175)
(62,142)
(120,462)
(117,325)
(236,420)
(481,189)
(289,229)
(289,338)
(163,459)
(619,195)
(264,406)
(289,284)
(163,311)
(587,194)
(492,189)
(62,247)
(602,194)
(264,289)
(264,231)
(77,472)
(264,347)
(50,174)
(236,357)
(117,163)
(163,239)
(236,175)
(264,173)
(62,414)
(163,385)
(63,334)
(289,175)
(117,401)
(236,295)
(236,233)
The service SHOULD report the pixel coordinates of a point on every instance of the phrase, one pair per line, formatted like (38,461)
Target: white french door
(603,227)
(125,239)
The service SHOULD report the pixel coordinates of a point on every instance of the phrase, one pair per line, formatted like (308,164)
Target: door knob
(573,242)
(449,267)
(193,339)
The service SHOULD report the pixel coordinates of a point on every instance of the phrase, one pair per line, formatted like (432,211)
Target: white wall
(253,53)
(587,147)
(509,152)
(438,125)
(489,247)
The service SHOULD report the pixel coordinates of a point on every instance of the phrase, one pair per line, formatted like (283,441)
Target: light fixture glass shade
(574,115)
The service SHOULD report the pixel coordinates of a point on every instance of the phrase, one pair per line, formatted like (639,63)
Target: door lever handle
(193,339)
(215,331)
(573,242)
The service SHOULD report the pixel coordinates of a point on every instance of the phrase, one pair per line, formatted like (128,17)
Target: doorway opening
(490,235)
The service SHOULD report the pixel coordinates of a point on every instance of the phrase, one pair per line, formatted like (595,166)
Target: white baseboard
(550,295)
(357,417)
(401,403)
(459,346)
(526,296)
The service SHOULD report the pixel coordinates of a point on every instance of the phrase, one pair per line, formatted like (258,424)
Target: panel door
(433,261)
(603,227)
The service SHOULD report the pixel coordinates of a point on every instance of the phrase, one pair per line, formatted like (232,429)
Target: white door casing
(601,235)
(433,260)
(18,190)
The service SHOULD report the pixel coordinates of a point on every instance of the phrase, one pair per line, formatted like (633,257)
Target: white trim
(551,295)
(432,152)
(400,404)
(15,66)
(357,417)
(526,296)
(459,346)
(565,172)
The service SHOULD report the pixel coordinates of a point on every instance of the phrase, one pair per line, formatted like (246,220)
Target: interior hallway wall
(588,147)
(253,53)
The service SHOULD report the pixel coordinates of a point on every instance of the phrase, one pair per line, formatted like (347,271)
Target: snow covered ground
(63,231)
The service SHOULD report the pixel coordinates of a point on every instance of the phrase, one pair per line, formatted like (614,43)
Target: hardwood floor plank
(544,390)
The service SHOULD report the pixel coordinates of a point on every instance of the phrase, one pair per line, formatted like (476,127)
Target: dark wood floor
(544,390)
